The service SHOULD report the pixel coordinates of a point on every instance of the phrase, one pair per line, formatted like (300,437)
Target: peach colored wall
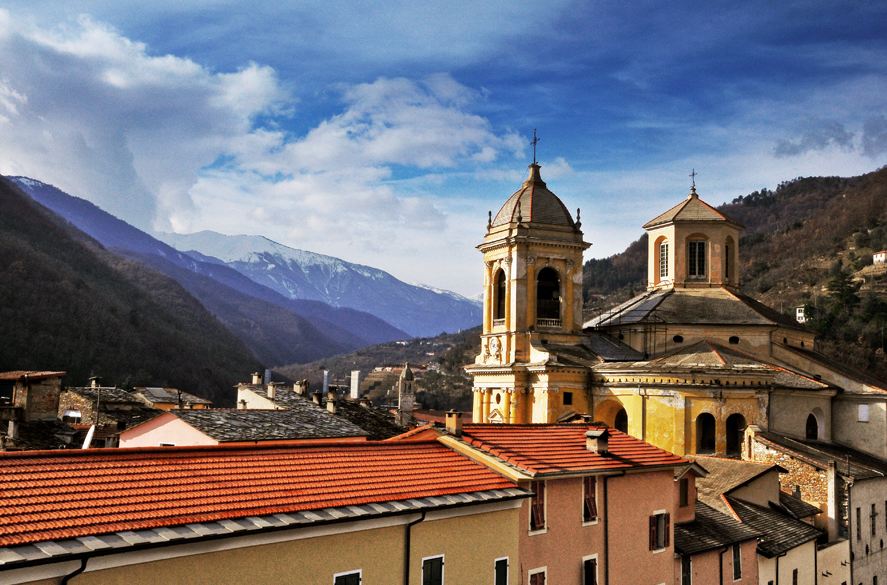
(566,541)
(166,428)
(705,566)
(633,498)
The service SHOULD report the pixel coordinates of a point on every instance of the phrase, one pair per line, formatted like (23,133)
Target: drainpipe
(777,566)
(606,536)
(721,566)
(406,548)
(76,572)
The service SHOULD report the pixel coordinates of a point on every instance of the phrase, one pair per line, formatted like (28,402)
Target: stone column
(477,409)
(488,297)
(506,406)
(486,405)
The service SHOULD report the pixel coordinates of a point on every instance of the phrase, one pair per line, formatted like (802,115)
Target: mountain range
(297,274)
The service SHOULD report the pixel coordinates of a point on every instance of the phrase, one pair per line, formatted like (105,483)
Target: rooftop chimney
(331,405)
(331,393)
(315,397)
(241,405)
(355,384)
(257,378)
(597,441)
(365,402)
(326,380)
(454,423)
(272,390)
(94,381)
(267,376)
(300,387)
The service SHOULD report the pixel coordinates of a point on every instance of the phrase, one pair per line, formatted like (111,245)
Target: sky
(382,133)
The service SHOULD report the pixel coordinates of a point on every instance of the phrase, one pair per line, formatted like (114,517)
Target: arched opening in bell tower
(548,297)
(705,433)
(735,429)
(620,422)
(499,295)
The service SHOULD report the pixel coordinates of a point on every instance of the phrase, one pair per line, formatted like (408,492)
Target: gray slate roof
(107,393)
(710,530)
(780,532)
(797,507)
(850,462)
(169,395)
(305,421)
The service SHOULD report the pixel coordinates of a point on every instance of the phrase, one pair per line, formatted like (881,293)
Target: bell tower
(532,254)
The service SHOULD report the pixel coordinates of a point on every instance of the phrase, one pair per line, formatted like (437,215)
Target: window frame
(507,569)
(862,412)
(538,571)
(541,495)
(660,539)
(443,568)
(597,517)
(737,561)
(684,492)
(597,569)
(689,574)
(694,259)
(663,260)
(358,572)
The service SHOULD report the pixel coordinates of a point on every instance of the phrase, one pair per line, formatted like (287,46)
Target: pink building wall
(632,499)
(165,429)
(704,569)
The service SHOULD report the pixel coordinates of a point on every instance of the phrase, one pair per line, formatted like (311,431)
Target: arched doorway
(705,433)
(812,430)
(735,428)
(548,294)
(499,295)
(620,422)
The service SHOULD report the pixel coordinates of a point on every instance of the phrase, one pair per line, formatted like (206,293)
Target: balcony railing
(548,322)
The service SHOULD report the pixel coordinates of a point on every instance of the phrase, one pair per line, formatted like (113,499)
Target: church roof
(709,357)
(533,202)
(690,209)
(690,306)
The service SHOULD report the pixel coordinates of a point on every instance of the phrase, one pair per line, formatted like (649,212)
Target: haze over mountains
(278,328)
(298,274)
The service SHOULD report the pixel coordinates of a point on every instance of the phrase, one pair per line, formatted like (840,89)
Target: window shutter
(666,537)
(590,499)
(652,532)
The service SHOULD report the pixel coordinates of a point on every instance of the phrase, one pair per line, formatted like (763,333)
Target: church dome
(533,202)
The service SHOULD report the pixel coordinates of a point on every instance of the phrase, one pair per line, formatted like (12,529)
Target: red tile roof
(558,448)
(52,495)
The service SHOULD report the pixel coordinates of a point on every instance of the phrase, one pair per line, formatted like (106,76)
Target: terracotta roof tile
(558,448)
(50,495)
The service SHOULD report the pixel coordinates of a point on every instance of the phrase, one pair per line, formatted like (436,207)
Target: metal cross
(692,175)
(534,142)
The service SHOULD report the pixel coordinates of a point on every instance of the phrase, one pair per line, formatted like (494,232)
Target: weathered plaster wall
(868,552)
(868,436)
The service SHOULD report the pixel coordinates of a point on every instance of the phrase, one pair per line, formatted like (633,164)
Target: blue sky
(383,134)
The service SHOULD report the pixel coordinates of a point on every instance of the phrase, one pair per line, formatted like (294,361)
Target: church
(687,365)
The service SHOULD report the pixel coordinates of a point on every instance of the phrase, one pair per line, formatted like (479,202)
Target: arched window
(548,294)
(729,264)
(705,433)
(812,430)
(735,428)
(621,421)
(499,295)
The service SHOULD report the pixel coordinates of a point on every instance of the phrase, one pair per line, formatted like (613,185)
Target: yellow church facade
(687,365)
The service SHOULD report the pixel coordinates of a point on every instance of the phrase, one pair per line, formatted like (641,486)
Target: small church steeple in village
(406,396)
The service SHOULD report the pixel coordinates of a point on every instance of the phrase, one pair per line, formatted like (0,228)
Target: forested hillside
(68,304)
(803,243)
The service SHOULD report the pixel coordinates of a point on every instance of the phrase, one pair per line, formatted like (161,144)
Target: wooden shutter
(590,572)
(590,509)
(652,532)
(501,572)
(666,539)
(537,579)
(537,508)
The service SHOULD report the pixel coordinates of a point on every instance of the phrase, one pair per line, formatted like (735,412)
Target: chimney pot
(272,390)
(454,423)
(597,441)
(365,402)
(331,394)
(257,378)
(315,397)
(300,387)
(331,405)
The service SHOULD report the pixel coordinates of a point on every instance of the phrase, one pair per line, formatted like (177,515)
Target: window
(812,429)
(568,398)
(620,421)
(678,339)
(686,570)
(705,433)
(349,578)
(589,571)
(659,529)
(500,572)
(684,487)
(858,524)
(874,516)
(737,562)
(499,295)
(537,506)
(727,266)
(548,294)
(696,259)
(733,340)
(433,571)
(663,260)
(537,576)
(589,499)
(735,429)
(862,413)
(794,577)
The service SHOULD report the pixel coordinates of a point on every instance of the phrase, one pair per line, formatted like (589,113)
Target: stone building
(169,398)
(109,408)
